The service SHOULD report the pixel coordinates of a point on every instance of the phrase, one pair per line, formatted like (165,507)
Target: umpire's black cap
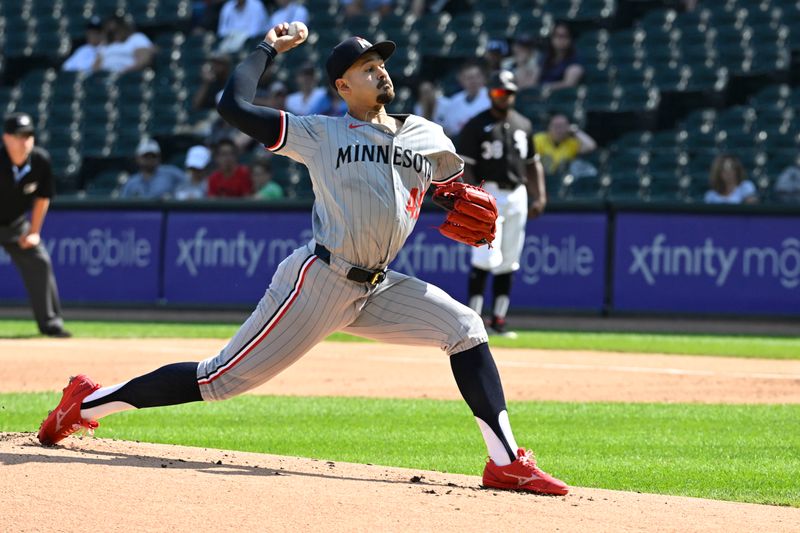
(17,123)
(503,79)
(348,51)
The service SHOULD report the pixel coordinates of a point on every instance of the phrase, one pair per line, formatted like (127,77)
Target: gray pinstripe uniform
(368,184)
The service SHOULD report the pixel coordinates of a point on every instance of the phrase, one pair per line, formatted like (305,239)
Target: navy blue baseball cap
(17,123)
(348,51)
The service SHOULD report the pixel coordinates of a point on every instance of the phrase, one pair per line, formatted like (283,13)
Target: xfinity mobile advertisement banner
(663,262)
(707,263)
(98,256)
(562,263)
(229,258)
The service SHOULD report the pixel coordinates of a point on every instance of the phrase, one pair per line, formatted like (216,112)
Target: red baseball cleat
(66,418)
(522,474)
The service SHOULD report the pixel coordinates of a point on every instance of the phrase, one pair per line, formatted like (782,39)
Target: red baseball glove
(472,213)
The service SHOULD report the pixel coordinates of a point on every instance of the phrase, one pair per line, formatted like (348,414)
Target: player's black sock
(475,288)
(479,383)
(168,385)
(501,285)
(501,288)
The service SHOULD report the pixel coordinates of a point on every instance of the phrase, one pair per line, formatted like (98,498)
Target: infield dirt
(125,486)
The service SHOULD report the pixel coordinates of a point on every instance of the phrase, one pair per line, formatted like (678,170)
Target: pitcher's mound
(104,485)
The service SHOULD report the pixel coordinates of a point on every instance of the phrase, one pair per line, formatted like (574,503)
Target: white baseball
(298,27)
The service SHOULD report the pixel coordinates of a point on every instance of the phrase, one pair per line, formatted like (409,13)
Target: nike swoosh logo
(488,128)
(354,126)
(60,414)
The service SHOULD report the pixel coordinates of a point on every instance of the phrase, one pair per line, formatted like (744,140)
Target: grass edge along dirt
(743,453)
(746,346)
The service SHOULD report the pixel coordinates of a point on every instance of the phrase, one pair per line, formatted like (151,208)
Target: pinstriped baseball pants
(308,299)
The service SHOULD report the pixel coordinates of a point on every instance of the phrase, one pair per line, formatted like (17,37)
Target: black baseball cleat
(57,333)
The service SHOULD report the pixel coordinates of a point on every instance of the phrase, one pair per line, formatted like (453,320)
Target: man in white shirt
(248,17)
(462,106)
(288,11)
(309,96)
(83,58)
(129,50)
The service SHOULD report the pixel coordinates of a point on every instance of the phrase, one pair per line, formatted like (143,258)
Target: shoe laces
(528,459)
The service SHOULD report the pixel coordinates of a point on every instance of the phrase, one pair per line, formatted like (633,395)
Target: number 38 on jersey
(494,149)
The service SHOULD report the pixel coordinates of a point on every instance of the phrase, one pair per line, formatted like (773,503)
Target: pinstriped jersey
(368,182)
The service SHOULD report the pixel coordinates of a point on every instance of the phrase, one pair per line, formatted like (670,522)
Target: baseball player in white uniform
(369,171)
(497,146)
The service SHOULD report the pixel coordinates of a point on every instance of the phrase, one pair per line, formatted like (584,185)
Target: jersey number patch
(491,150)
(494,149)
(414,203)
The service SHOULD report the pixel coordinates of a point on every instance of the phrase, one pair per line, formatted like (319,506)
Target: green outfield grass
(748,453)
(684,344)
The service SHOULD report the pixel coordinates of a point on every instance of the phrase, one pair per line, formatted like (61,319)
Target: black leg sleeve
(169,385)
(479,383)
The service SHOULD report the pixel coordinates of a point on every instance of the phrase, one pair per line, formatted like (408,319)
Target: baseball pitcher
(370,171)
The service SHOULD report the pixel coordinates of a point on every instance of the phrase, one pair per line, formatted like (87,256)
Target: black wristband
(268,48)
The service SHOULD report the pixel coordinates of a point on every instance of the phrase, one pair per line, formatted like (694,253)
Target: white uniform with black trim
(368,184)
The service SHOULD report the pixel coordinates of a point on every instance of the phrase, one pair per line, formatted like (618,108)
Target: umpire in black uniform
(26,183)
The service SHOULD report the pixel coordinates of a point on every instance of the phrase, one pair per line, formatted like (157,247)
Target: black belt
(506,185)
(359,275)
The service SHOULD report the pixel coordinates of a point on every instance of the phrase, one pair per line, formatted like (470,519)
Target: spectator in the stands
(83,58)
(288,11)
(560,65)
(213,75)
(127,50)
(561,144)
(331,105)
(273,96)
(230,179)
(246,17)
(354,8)
(197,160)
(495,53)
(524,61)
(154,181)
(309,95)
(728,182)
(430,102)
(205,15)
(787,186)
(265,188)
(464,105)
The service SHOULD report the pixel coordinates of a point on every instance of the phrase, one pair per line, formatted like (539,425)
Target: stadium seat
(624,187)
(104,183)
(662,188)
(585,188)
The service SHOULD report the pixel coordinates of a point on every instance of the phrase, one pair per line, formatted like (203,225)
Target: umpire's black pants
(37,274)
